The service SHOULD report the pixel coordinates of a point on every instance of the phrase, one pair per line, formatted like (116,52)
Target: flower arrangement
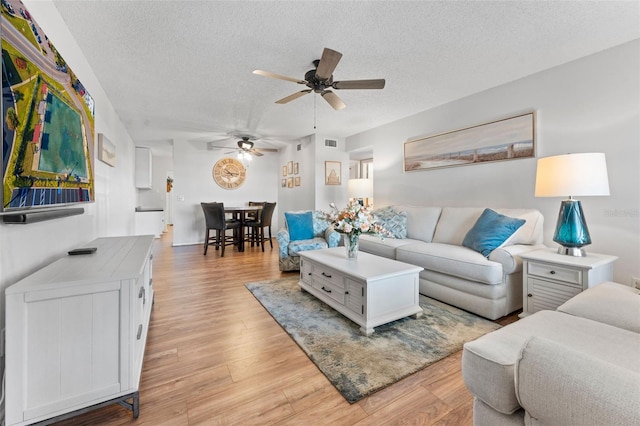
(353,220)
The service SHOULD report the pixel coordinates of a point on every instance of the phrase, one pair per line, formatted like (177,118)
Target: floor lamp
(572,175)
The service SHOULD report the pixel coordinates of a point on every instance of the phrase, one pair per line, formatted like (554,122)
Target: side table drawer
(556,273)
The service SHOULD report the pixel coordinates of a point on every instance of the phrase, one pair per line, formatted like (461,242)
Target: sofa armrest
(558,385)
(282,237)
(509,257)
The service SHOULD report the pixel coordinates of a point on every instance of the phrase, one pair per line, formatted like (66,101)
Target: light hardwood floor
(214,356)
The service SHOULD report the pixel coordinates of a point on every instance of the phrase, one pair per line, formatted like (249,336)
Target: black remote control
(84,250)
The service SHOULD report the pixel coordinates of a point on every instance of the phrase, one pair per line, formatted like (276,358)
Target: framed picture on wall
(296,181)
(332,173)
(283,183)
(290,182)
(290,167)
(295,168)
(507,139)
(284,170)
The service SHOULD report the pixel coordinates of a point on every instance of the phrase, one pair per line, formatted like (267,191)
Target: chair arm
(509,257)
(283,243)
(332,237)
(558,385)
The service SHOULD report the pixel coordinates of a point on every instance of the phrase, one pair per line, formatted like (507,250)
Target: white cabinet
(149,221)
(143,168)
(550,279)
(76,331)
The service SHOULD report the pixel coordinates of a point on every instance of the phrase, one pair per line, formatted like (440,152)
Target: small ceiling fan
(320,80)
(245,146)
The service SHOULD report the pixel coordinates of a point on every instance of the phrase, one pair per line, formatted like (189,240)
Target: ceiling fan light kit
(320,80)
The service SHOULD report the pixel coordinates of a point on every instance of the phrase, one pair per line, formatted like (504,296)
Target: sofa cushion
(394,222)
(488,363)
(530,232)
(610,303)
(454,223)
(421,221)
(383,247)
(451,260)
(490,231)
(309,244)
(300,225)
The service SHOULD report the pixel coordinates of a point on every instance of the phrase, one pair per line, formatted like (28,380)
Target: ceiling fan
(320,80)
(245,146)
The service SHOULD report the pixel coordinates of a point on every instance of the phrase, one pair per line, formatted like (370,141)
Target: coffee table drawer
(324,273)
(327,288)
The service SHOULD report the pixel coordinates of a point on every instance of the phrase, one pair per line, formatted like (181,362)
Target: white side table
(550,279)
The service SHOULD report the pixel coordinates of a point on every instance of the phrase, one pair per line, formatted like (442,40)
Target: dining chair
(256,227)
(215,219)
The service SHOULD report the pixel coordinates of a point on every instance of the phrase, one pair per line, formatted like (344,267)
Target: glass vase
(351,245)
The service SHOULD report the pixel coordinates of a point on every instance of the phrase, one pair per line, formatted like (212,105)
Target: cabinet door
(548,295)
(73,348)
(355,296)
(143,168)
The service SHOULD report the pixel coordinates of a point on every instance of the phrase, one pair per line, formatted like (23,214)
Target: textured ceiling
(183,69)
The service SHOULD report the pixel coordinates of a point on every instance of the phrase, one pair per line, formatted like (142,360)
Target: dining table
(240,214)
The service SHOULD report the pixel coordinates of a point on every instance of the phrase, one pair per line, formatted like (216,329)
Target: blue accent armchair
(323,237)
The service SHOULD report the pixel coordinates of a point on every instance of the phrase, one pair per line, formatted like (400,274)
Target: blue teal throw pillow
(490,231)
(300,225)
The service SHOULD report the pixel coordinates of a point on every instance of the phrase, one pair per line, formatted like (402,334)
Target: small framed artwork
(290,167)
(106,150)
(332,173)
(283,183)
(284,170)
(290,182)
(295,168)
(296,181)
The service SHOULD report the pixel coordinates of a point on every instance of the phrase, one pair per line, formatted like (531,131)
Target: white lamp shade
(360,188)
(572,175)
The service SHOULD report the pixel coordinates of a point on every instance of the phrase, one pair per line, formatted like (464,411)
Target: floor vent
(330,143)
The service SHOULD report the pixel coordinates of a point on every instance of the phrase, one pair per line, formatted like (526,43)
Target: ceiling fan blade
(359,84)
(255,152)
(328,63)
(292,97)
(278,76)
(333,100)
(266,150)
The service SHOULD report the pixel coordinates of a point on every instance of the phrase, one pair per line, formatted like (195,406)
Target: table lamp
(572,175)
(361,189)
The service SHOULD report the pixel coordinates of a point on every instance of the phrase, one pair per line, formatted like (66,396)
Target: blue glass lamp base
(571,230)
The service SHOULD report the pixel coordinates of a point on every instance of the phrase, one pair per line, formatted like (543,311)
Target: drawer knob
(326,275)
(309,273)
(529,295)
(552,272)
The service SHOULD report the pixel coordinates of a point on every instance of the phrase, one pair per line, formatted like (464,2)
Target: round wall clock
(229,173)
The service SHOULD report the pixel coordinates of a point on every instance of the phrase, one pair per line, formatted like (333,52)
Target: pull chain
(315,100)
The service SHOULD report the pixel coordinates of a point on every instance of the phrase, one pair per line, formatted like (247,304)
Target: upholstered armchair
(304,230)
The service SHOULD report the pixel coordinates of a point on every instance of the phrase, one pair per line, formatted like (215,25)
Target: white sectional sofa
(578,365)
(488,286)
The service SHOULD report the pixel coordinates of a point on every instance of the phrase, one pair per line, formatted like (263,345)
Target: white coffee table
(370,291)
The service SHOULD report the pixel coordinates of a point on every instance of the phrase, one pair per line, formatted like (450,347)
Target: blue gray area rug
(358,365)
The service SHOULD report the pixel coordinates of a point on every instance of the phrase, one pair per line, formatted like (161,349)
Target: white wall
(26,248)
(327,194)
(155,197)
(193,183)
(589,105)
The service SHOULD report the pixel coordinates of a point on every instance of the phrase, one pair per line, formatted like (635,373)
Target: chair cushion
(490,231)
(611,303)
(300,225)
(309,244)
